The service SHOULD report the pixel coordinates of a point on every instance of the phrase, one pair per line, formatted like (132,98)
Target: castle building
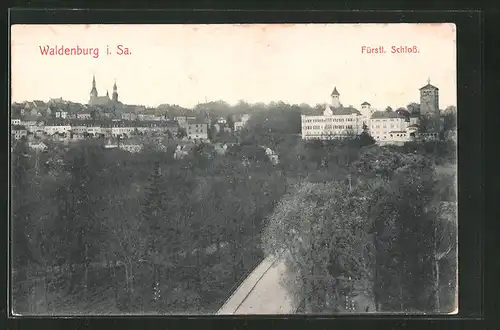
(386,127)
(337,121)
(95,99)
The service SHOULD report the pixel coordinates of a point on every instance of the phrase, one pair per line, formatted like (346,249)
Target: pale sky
(186,64)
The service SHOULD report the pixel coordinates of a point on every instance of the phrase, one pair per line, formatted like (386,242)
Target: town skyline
(253,63)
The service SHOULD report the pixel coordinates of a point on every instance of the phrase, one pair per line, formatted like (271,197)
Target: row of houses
(194,128)
(58,113)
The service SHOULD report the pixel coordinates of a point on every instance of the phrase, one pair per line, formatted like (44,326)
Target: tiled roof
(38,103)
(403,112)
(429,86)
(386,114)
(344,111)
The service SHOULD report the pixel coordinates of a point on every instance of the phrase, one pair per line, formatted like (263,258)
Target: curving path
(261,292)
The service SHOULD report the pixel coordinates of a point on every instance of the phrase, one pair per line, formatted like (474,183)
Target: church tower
(93,91)
(429,99)
(335,98)
(115,92)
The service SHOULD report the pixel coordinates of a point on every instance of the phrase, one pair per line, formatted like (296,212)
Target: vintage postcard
(234,169)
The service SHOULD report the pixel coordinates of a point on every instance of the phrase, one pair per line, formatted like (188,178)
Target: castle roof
(335,92)
(365,103)
(342,111)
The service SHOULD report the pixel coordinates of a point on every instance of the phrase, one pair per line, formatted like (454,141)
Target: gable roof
(342,111)
(387,114)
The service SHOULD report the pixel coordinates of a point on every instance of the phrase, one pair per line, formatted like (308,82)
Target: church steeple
(115,92)
(93,91)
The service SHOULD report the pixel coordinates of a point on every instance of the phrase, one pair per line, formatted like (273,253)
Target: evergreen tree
(155,222)
(154,209)
(365,139)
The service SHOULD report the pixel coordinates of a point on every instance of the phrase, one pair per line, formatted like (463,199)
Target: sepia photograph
(233,169)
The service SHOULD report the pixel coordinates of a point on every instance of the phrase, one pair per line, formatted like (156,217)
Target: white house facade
(337,121)
(61,129)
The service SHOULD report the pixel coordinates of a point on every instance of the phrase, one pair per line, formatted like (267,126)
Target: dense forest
(375,223)
(190,225)
(106,231)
